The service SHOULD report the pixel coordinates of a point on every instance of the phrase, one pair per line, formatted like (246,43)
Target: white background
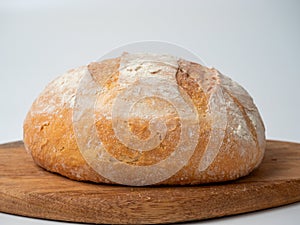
(254,42)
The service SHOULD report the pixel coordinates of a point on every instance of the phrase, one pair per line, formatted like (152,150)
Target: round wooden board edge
(16,144)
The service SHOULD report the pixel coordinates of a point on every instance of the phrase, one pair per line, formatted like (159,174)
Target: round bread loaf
(145,119)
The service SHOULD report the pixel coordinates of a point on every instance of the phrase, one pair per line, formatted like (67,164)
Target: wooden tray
(28,190)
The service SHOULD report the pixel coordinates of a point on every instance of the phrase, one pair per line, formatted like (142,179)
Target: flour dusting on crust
(60,93)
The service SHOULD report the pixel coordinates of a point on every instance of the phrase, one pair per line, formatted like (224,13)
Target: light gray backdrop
(254,42)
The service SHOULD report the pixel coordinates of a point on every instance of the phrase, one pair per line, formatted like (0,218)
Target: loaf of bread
(145,119)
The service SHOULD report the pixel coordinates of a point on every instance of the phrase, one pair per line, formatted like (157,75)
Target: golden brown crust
(49,135)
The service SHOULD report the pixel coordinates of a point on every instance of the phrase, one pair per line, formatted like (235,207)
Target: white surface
(276,216)
(254,42)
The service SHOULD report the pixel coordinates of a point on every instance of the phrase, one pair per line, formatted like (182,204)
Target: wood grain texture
(28,190)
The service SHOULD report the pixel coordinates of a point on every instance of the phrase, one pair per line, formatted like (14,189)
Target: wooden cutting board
(28,190)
